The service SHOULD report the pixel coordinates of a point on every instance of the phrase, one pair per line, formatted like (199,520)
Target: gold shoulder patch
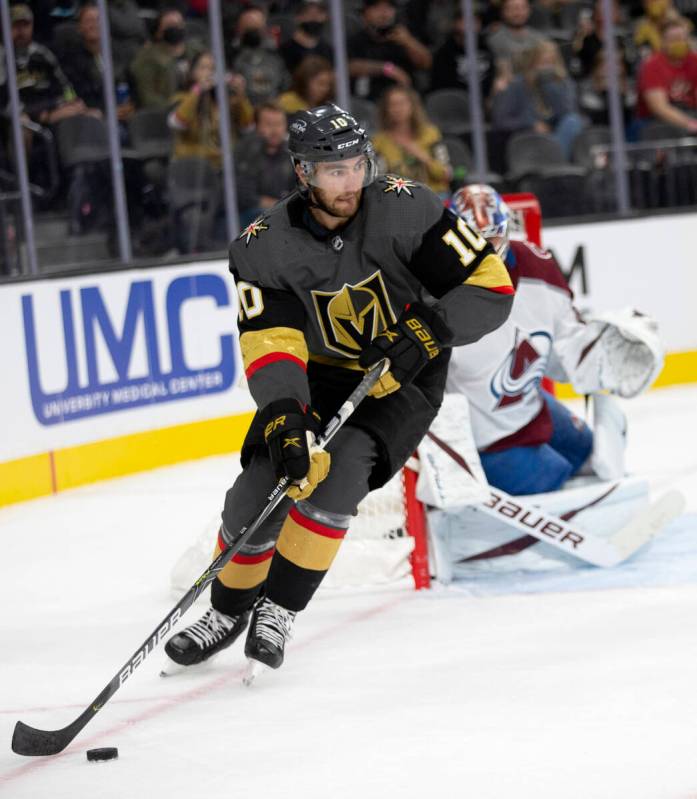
(253,230)
(398,185)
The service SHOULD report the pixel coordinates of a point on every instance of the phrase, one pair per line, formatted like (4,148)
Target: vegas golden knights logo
(351,317)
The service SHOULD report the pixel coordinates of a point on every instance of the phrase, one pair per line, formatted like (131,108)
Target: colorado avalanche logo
(522,369)
(253,230)
(399,185)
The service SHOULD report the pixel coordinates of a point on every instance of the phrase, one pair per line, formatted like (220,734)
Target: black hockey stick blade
(30,741)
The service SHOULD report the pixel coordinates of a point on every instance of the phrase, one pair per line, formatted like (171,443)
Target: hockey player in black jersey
(348,269)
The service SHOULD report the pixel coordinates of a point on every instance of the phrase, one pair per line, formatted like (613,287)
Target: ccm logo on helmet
(346,144)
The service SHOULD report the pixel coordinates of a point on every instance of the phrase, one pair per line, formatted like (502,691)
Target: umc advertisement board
(99,356)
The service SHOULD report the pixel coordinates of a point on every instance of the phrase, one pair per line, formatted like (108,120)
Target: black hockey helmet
(327,133)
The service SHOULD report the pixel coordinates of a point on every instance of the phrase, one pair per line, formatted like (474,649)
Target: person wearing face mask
(541,99)
(160,68)
(649,27)
(307,39)
(667,81)
(383,52)
(255,57)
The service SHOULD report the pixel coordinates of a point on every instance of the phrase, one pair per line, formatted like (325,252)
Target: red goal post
(526,221)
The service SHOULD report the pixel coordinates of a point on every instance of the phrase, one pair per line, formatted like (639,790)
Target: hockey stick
(557,531)
(27,740)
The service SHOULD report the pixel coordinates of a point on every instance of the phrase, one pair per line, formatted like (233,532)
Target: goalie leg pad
(609,437)
(526,470)
(571,436)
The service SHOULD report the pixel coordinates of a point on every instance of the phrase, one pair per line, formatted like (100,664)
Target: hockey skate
(271,627)
(212,633)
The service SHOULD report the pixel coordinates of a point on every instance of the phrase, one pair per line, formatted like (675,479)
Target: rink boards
(110,373)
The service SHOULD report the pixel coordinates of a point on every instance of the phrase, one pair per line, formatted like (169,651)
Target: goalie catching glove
(618,351)
(410,343)
(289,432)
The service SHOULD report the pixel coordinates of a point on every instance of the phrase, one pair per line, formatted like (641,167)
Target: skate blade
(253,671)
(170,668)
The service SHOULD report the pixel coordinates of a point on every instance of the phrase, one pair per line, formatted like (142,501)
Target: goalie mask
(483,208)
(329,135)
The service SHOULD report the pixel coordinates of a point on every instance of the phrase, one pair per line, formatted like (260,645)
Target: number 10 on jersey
(473,242)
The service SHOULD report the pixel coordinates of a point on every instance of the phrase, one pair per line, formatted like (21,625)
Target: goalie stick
(569,538)
(28,740)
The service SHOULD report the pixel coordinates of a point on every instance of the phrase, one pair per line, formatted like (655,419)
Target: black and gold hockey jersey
(311,299)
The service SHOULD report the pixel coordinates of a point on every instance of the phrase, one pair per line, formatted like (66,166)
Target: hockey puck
(105,753)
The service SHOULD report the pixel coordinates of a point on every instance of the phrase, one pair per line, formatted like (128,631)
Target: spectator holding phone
(383,52)
(195,117)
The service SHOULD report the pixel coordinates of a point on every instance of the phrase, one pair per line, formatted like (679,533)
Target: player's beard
(343,206)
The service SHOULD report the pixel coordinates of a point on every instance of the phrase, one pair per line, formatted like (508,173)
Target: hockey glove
(417,336)
(289,432)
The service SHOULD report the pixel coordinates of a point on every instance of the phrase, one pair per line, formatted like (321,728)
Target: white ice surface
(562,694)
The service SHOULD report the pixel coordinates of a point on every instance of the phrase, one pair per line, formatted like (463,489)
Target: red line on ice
(164,705)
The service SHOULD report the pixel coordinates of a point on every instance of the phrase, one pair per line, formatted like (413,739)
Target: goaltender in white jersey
(529,442)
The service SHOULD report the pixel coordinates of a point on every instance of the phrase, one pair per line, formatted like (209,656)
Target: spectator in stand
(542,98)
(44,91)
(449,69)
(513,38)
(49,14)
(255,56)
(128,35)
(667,82)
(430,20)
(82,64)
(313,85)
(593,97)
(160,68)
(649,27)
(383,52)
(308,37)
(264,170)
(195,116)
(589,38)
(407,143)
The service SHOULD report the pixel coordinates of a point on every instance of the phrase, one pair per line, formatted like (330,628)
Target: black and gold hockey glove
(417,336)
(289,432)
